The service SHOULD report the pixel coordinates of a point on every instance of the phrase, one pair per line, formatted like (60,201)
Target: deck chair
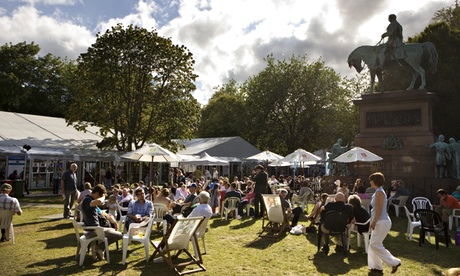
(431,222)
(275,215)
(337,223)
(6,222)
(84,242)
(159,211)
(138,232)
(177,239)
(402,202)
(366,235)
(229,204)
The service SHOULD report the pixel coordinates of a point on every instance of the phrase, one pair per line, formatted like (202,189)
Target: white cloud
(228,39)
(53,35)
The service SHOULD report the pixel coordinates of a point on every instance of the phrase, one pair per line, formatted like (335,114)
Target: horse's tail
(431,55)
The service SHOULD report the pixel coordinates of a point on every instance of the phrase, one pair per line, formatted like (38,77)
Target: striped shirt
(9,203)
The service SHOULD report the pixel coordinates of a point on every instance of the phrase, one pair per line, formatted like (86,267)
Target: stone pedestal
(397,125)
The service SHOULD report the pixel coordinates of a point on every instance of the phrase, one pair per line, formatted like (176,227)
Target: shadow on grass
(61,226)
(219,222)
(34,222)
(265,241)
(244,224)
(68,240)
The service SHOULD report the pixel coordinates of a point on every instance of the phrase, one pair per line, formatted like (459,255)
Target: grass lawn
(48,246)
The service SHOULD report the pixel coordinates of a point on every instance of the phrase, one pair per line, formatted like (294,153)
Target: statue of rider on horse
(394,52)
(393,47)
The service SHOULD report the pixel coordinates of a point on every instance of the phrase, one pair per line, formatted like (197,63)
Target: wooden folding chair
(275,215)
(177,239)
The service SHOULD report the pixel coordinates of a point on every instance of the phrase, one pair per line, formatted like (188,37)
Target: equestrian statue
(394,53)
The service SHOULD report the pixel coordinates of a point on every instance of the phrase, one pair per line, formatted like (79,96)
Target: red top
(451,202)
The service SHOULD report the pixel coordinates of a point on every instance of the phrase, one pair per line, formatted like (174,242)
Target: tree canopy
(223,114)
(33,84)
(445,34)
(290,104)
(136,86)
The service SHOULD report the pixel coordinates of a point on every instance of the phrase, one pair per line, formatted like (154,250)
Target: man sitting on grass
(91,218)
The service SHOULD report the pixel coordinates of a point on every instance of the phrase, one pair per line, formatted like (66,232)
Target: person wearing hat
(189,201)
(456,193)
(8,203)
(261,180)
(447,204)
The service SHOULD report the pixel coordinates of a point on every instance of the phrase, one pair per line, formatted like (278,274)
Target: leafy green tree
(445,34)
(449,15)
(33,84)
(224,113)
(296,104)
(136,86)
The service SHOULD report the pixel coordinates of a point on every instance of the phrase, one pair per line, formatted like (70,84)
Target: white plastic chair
(232,205)
(134,234)
(411,223)
(248,206)
(456,215)
(303,200)
(6,222)
(366,235)
(159,211)
(122,219)
(421,203)
(366,203)
(84,242)
(402,202)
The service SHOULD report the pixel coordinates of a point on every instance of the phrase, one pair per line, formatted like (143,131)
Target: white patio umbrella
(301,155)
(151,153)
(357,154)
(207,160)
(265,156)
(279,163)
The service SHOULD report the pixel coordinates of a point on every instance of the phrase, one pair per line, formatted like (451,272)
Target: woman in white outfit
(381,225)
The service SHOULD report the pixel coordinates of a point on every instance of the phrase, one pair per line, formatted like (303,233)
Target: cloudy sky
(228,38)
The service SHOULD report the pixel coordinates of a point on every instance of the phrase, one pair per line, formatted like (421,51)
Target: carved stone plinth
(397,125)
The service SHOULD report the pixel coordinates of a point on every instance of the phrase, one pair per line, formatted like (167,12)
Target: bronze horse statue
(415,53)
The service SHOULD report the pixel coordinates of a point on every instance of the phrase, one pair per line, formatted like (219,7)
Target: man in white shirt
(203,209)
(8,203)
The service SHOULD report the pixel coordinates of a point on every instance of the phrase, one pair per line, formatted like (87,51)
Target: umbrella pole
(150,174)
